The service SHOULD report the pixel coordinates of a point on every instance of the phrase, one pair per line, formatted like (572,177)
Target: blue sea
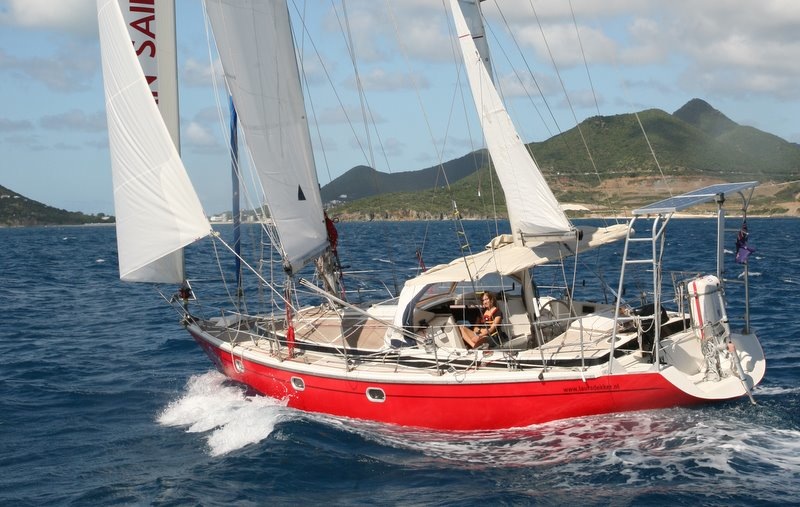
(106,400)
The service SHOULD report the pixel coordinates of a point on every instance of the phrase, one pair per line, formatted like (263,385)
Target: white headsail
(156,207)
(254,40)
(532,208)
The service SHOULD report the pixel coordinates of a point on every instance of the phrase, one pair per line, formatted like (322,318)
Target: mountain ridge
(16,210)
(695,138)
(695,142)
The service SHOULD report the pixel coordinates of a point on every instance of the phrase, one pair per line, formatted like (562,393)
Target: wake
(230,419)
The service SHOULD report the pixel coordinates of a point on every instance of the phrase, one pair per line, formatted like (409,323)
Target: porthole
(376,394)
(298,384)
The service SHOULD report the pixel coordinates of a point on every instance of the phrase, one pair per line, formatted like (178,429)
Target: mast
(151,25)
(167,62)
(237,247)
(166,94)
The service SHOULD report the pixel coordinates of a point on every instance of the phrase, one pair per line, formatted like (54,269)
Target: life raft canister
(707,307)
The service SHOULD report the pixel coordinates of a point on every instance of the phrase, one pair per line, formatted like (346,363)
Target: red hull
(455,406)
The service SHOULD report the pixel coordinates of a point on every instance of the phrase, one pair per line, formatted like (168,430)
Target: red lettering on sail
(140,16)
(143,25)
(146,45)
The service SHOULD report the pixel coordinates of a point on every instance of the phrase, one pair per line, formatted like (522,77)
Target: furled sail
(532,208)
(255,45)
(156,207)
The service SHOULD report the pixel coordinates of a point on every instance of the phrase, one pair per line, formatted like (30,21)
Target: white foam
(230,419)
(640,447)
(775,390)
(751,273)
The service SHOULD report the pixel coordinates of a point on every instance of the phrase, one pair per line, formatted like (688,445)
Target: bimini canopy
(502,257)
(505,258)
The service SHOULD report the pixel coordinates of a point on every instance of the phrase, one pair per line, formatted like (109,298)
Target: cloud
(718,47)
(211,116)
(66,147)
(196,135)
(393,147)
(7,125)
(75,17)
(353,115)
(380,80)
(29,142)
(75,120)
(68,70)
(200,74)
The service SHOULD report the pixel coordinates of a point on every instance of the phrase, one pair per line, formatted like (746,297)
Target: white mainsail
(157,210)
(255,45)
(532,208)
(472,14)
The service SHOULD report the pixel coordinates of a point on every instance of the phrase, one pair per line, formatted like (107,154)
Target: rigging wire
(583,55)
(564,89)
(561,82)
(438,151)
(368,119)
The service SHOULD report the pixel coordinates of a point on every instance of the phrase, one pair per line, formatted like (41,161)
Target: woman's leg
(470,337)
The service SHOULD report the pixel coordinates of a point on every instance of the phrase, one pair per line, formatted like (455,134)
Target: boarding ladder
(656,240)
(662,212)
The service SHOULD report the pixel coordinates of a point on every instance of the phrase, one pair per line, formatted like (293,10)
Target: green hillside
(18,210)
(697,141)
(362,181)
(619,149)
(472,193)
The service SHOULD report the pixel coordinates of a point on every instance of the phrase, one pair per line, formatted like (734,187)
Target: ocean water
(104,399)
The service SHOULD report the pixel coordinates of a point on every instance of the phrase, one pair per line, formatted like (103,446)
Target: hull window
(298,384)
(376,394)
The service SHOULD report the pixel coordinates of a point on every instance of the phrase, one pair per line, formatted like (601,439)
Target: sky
(557,62)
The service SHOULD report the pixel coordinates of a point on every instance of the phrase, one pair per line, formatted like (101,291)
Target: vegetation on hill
(695,143)
(472,194)
(362,181)
(17,210)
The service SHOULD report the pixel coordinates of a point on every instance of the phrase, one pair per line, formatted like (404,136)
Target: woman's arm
(495,325)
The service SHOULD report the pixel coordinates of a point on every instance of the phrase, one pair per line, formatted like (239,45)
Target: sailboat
(403,361)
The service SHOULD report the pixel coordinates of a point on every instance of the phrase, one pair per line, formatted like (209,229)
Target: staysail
(157,210)
(532,208)
(255,45)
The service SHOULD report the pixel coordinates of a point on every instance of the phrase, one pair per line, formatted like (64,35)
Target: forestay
(255,45)
(157,210)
